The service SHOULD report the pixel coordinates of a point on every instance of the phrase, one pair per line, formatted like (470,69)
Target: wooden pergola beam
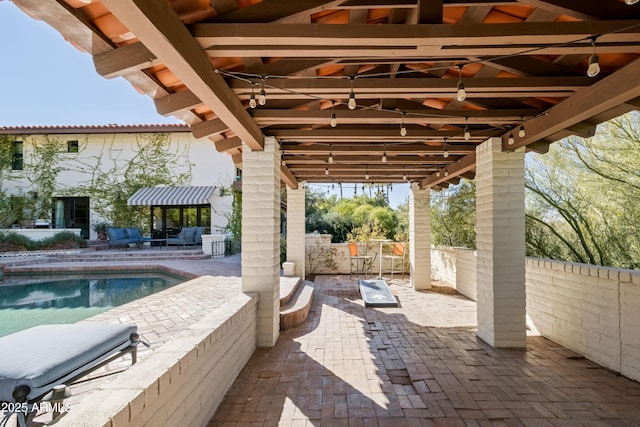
(461,167)
(424,38)
(608,93)
(179,101)
(157,26)
(267,117)
(124,60)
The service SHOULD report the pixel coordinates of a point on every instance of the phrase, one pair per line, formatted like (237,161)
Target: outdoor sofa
(123,236)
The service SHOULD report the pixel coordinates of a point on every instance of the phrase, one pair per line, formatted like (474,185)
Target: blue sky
(44,80)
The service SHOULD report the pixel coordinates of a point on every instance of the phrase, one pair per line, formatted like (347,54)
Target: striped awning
(171,196)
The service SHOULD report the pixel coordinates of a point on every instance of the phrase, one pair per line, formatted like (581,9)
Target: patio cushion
(47,355)
(116,233)
(133,234)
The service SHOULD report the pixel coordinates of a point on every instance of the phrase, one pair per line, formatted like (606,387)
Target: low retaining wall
(37,234)
(592,310)
(182,382)
(324,257)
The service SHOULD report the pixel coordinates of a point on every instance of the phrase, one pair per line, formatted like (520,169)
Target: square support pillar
(500,245)
(296,229)
(420,237)
(261,235)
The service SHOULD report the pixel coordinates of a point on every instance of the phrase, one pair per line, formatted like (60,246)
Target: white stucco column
(261,235)
(420,237)
(500,245)
(296,228)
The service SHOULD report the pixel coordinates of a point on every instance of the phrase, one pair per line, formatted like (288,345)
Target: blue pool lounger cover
(47,355)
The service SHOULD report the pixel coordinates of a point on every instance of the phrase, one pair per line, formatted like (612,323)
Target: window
(18,156)
(72,146)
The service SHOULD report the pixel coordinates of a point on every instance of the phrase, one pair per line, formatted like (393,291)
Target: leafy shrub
(10,242)
(14,242)
(62,240)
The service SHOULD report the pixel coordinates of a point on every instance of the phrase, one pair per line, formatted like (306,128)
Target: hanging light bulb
(334,120)
(446,172)
(326,171)
(403,130)
(511,141)
(252,100)
(631,2)
(594,65)
(352,97)
(391,187)
(366,176)
(262,98)
(438,173)
(522,133)
(384,154)
(461,95)
(467,133)
(445,153)
(330,159)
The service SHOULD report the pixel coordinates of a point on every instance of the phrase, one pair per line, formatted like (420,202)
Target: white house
(68,176)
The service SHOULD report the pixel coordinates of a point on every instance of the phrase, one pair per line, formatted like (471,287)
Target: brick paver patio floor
(420,364)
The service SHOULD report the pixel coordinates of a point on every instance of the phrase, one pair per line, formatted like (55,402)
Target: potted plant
(101,229)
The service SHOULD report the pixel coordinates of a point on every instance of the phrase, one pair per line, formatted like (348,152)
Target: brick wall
(182,382)
(591,310)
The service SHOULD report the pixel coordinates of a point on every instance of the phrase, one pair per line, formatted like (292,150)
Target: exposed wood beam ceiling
(522,62)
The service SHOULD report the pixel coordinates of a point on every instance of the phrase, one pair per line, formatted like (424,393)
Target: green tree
(583,201)
(453,215)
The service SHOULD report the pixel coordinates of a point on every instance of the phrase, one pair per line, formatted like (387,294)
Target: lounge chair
(36,360)
(186,237)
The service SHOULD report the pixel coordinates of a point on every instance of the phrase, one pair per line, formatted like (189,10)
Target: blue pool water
(27,302)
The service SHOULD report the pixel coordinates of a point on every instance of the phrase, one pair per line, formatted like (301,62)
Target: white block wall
(420,237)
(456,266)
(261,235)
(500,245)
(341,256)
(594,311)
(296,228)
(591,310)
(181,383)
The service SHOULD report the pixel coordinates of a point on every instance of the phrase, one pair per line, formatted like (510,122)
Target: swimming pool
(37,300)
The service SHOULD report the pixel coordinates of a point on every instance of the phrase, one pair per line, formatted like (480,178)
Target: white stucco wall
(104,151)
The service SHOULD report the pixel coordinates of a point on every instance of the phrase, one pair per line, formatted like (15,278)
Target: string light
(445,153)
(438,173)
(326,170)
(467,133)
(522,133)
(352,97)
(384,154)
(404,174)
(594,65)
(330,159)
(446,172)
(511,141)
(252,100)
(334,120)
(262,98)
(403,130)
(461,95)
